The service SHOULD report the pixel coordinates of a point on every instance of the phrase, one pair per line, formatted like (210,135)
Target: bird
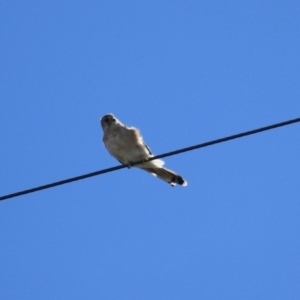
(127,146)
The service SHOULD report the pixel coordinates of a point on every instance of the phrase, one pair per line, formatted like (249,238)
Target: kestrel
(127,146)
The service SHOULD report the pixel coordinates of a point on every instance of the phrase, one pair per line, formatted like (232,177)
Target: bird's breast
(122,144)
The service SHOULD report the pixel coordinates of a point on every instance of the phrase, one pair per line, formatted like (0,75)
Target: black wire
(228,138)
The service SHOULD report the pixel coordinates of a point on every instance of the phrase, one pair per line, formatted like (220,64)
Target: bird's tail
(166,175)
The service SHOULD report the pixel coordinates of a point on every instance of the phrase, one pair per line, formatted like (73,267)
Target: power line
(210,143)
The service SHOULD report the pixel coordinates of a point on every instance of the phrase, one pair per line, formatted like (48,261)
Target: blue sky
(183,72)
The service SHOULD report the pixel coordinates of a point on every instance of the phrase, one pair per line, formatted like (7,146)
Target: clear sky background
(183,72)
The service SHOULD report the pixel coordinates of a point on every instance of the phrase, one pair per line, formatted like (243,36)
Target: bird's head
(107,120)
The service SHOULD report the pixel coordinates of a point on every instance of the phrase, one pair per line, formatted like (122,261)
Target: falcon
(127,146)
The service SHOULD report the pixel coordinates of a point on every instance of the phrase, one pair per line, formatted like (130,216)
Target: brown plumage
(127,146)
